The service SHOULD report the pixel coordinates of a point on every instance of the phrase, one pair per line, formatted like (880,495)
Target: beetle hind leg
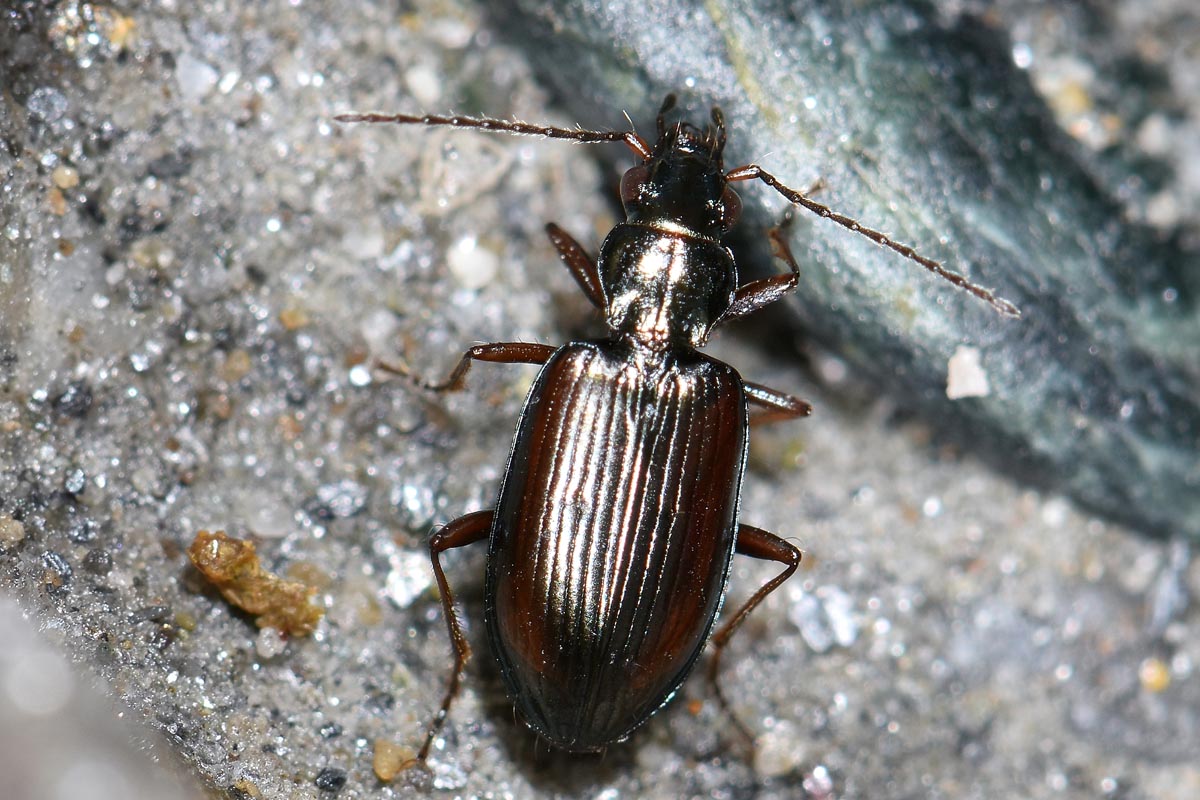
(459,533)
(756,543)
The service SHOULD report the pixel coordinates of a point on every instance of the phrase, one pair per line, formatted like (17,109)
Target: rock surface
(197,267)
(1053,177)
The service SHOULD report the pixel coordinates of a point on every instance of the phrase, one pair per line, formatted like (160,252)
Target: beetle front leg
(756,543)
(496,352)
(583,267)
(459,533)
(752,296)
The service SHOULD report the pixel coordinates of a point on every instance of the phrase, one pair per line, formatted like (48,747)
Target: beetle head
(681,182)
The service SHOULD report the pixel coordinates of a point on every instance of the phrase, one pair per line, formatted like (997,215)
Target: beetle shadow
(564,774)
(549,769)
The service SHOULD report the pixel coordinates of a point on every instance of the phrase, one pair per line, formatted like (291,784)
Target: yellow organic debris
(232,566)
(391,759)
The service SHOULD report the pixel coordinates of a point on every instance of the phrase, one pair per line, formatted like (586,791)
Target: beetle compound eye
(731,209)
(631,184)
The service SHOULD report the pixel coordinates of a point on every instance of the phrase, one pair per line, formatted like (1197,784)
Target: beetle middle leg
(756,543)
(496,353)
(463,531)
(779,406)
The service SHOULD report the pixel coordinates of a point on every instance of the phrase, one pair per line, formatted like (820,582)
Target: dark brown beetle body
(613,536)
(618,515)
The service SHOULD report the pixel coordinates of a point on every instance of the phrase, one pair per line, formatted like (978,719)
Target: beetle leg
(756,543)
(752,296)
(496,352)
(583,267)
(463,531)
(779,406)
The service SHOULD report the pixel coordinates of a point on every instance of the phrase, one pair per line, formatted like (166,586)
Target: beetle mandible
(610,545)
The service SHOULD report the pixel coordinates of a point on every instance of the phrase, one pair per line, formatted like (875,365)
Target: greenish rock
(197,266)
(923,125)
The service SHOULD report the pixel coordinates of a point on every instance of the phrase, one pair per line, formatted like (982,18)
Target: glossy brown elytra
(610,545)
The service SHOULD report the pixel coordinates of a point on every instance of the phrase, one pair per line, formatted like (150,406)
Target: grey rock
(923,121)
(183,325)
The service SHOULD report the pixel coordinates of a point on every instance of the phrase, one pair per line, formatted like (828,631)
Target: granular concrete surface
(200,268)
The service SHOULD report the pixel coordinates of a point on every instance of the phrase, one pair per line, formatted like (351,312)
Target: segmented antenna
(752,171)
(578,135)
(749,172)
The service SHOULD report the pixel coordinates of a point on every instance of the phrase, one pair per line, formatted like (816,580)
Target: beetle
(618,516)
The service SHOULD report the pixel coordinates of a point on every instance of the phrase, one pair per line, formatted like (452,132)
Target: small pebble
(1155,675)
(819,783)
(57,571)
(11,531)
(121,30)
(76,482)
(378,328)
(342,499)
(965,375)
(83,530)
(390,759)
(195,77)
(237,365)
(56,201)
(779,751)
(407,578)
(825,618)
(98,562)
(364,240)
(331,779)
(425,84)
(269,643)
(471,264)
(293,319)
(47,103)
(65,177)
(75,400)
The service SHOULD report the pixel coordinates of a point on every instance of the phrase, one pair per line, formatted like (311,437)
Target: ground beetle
(610,545)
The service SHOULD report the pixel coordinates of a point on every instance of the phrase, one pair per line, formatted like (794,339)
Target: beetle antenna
(578,135)
(753,171)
